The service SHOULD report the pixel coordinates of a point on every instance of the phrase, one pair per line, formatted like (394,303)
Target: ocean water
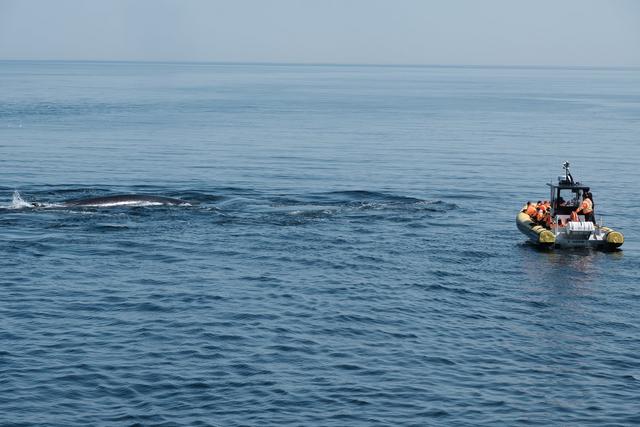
(349,258)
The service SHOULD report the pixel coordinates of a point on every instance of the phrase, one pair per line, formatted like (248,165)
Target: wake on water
(290,210)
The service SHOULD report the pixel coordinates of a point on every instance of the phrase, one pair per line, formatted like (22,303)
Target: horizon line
(329,64)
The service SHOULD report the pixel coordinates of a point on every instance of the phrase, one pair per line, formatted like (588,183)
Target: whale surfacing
(126,200)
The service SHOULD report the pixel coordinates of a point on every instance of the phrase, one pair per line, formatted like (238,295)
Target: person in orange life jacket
(529,209)
(537,207)
(593,205)
(548,221)
(586,207)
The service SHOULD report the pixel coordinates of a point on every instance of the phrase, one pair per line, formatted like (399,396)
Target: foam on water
(17,202)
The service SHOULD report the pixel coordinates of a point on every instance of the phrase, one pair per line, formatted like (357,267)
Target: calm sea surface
(350,259)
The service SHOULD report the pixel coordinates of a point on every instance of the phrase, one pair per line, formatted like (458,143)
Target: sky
(446,32)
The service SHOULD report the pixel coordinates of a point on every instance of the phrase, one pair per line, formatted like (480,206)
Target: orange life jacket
(549,221)
(531,211)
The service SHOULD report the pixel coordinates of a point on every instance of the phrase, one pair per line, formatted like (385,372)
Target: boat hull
(614,239)
(601,237)
(536,233)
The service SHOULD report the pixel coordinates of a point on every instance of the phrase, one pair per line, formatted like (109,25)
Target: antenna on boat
(567,174)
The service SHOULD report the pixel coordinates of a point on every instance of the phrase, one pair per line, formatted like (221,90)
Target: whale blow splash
(17,202)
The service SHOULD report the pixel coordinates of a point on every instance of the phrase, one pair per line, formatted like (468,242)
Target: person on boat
(530,210)
(586,207)
(546,205)
(540,216)
(543,217)
(538,207)
(548,221)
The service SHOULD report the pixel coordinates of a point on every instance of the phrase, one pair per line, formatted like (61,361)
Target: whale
(126,200)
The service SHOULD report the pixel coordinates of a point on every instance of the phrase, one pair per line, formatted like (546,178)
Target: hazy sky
(483,32)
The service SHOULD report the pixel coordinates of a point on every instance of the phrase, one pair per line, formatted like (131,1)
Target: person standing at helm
(593,204)
(586,207)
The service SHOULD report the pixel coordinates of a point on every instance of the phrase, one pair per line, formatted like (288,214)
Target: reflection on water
(577,266)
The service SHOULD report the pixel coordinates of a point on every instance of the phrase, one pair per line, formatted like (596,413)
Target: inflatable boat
(562,225)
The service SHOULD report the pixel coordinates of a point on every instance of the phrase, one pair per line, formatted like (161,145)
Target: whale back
(125,200)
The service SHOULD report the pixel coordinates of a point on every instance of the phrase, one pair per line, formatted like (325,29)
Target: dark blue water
(350,256)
